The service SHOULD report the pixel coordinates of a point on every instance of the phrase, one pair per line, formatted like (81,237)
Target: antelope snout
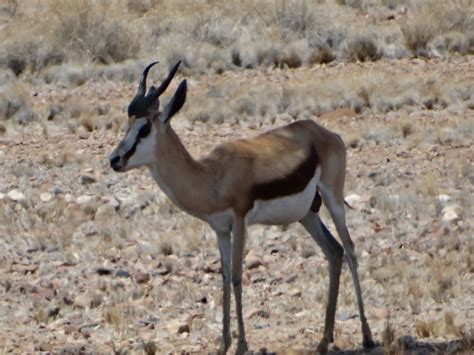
(115,162)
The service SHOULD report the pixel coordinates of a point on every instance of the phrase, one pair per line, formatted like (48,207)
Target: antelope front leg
(225,249)
(238,244)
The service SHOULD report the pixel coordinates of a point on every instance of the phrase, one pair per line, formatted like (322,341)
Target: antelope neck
(183,179)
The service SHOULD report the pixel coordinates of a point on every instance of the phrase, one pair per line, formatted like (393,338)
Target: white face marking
(137,148)
(144,152)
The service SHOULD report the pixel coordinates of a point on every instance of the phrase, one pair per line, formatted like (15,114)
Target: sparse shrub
(424,328)
(15,104)
(87,33)
(33,54)
(363,48)
(418,33)
(295,18)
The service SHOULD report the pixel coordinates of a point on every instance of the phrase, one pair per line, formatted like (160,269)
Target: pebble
(69,198)
(352,199)
(46,197)
(451,213)
(122,273)
(2,196)
(142,277)
(87,179)
(57,190)
(444,198)
(294,293)
(16,195)
(381,313)
(82,133)
(84,199)
(252,260)
(83,300)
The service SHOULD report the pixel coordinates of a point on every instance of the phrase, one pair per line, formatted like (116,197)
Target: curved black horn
(139,105)
(142,86)
(155,93)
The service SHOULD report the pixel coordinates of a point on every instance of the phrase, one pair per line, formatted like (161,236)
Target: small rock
(257,312)
(16,195)
(84,199)
(45,346)
(451,214)
(57,190)
(381,313)
(2,196)
(142,277)
(87,179)
(252,260)
(70,329)
(122,273)
(69,198)
(104,271)
(183,328)
(46,197)
(82,133)
(294,293)
(179,327)
(444,198)
(352,199)
(83,300)
(53,312)
(86,229)
(114,203)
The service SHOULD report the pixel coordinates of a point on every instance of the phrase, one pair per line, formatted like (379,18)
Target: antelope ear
(175,103)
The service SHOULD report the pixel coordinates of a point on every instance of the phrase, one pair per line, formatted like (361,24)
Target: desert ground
(100,262)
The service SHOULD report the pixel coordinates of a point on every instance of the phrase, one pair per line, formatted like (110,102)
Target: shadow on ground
(404,345)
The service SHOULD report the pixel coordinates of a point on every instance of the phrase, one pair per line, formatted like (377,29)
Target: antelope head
(146,122)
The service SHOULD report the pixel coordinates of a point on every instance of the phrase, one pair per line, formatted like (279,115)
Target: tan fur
(223,179)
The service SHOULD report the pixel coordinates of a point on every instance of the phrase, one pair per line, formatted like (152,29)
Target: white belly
(284,210)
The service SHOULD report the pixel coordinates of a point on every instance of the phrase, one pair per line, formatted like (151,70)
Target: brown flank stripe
(291,184)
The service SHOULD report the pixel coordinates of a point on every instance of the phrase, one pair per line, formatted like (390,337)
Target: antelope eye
(145,130)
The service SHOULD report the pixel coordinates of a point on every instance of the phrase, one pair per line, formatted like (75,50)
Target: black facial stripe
(142,133)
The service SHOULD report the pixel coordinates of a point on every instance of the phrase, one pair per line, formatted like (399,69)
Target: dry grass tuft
(451,20)
(424,329)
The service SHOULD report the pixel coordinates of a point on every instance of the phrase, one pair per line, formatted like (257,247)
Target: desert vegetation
(95,261)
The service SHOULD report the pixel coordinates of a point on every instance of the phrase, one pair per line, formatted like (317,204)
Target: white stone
(68,198)
(2,196)
(444,198)
(46,197)
(450,216)
(394,198)
(84,199)
(16,195)
(353,198)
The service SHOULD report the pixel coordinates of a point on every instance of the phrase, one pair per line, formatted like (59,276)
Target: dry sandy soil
(95,261)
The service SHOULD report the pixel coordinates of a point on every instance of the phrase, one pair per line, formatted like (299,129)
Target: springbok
(277,177)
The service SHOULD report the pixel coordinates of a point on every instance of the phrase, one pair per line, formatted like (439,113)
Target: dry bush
(452,20)
(363,47)
(32,54)
(87,32)
(15,104)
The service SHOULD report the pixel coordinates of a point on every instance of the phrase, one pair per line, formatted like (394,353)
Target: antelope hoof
(368,343)
(323,346)
(242,348)
(225,345)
